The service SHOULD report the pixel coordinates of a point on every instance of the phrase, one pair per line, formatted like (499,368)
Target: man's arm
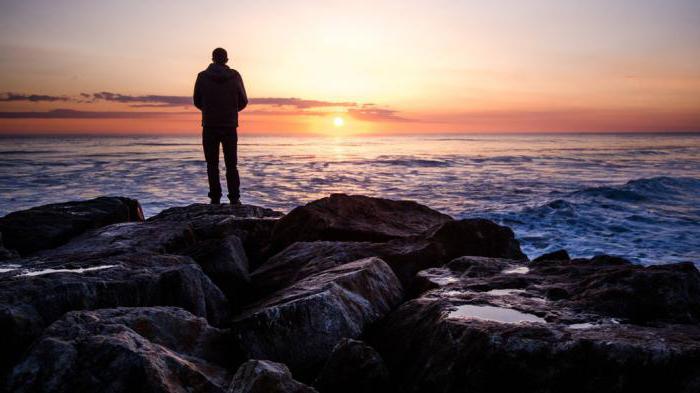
(197,96)
(242,96)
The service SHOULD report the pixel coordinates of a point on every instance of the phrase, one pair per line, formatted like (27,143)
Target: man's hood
(218,73)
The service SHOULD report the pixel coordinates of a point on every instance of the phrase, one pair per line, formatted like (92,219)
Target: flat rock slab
(39,292)
(264,376)
(49,226)
(354,218)
(155,349)
(497,325)
(301,324)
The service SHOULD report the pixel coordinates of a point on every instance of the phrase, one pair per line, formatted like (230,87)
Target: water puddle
(517,270)
(442,281)
(50,271)
(8,268)
(504,292)
(582,326)
(491,313)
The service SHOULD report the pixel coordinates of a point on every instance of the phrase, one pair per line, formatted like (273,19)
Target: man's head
(219,56)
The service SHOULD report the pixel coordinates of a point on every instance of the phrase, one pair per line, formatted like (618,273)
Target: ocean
(632,195)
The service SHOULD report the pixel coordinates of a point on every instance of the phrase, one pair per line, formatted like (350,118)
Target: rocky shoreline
(344,294)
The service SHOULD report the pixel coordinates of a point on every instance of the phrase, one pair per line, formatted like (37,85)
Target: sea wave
(649,220)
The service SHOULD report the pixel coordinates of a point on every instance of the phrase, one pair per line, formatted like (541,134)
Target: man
(219,93)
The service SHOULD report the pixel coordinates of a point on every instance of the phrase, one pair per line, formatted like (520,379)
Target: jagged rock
(488,326)
(264,376)
(299,325)
(155,349)
(353,367)
(252,224)
(559,255)
(405,256)
(49,226)
(28,303)
(6,254)
(225,262)
(343,217)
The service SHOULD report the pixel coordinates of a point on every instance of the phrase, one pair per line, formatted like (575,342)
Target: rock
(343,217)
(6,254)
(353,367)
(49,226)
(226,264)
(251,224)
(488,326)
(155,349)
(125,238)
(28,303)
(264,376)
(559,255)
(405,256)
(299,325)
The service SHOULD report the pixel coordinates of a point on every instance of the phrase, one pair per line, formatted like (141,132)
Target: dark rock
(405,256)
(264,376)
(343,217)
(299,325)
(155,349)
(353,367)
(252,224)
(124,238)
(225,262)
(6,254)
(49,226)
(559,255)
(29,303)
(488,326)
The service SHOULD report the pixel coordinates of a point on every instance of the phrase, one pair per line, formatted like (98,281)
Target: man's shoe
(215,201)
(235,202)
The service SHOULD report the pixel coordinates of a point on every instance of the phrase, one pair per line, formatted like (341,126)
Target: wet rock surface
(546,326)
(49,226)
(207,298)
(155,349)
(40,291)
(264,376)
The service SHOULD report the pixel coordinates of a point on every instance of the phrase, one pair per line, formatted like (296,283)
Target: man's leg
(229,142)
(210,143)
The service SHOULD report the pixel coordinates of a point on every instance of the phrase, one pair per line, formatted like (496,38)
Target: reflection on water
(630,195)
(51,271)
(504,292)
(491,313)
(517,270)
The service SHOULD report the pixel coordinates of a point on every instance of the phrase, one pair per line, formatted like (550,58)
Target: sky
(354,67)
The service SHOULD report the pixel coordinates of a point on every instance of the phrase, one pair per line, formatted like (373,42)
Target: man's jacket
(219,93)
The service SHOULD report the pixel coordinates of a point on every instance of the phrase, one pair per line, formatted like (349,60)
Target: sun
(338,121)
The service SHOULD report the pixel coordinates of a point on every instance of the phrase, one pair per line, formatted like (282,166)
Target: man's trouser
(227,137)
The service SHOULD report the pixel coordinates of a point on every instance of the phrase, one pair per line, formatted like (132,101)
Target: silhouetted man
(220,95)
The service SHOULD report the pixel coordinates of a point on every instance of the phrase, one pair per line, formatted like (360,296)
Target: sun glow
(338,121)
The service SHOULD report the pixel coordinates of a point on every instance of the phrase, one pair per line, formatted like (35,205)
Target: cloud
(149,100)
(75,114)
(7,97)
(372,113)
(300,103)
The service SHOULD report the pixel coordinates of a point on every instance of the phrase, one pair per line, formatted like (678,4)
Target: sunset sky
(346,67)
